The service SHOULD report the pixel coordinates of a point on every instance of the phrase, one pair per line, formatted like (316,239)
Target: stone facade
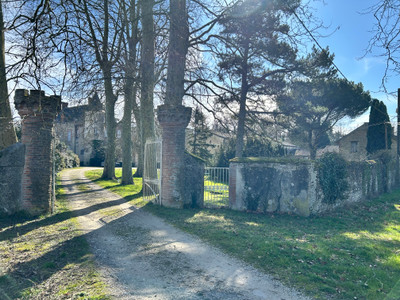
(37,112)
(353,145)
(78,126)
(12,161)
(291,186)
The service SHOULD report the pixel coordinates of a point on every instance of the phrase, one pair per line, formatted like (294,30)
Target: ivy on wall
(332,176)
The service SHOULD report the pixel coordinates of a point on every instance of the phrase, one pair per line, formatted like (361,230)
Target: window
(354,147)
(118,133)
(82,151)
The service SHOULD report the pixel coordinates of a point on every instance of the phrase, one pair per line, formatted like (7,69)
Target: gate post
(173,121)
(37,113)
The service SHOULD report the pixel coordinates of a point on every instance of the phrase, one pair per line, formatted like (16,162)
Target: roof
(70,114)
(362,127)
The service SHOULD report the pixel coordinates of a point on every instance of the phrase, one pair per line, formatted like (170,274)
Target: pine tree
(379,134)
(315,106)
(198,140)
(257,52)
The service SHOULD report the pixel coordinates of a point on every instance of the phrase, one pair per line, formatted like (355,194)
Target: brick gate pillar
(173,121)
(37,113)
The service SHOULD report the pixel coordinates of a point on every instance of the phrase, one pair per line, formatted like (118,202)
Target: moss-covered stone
(302,206)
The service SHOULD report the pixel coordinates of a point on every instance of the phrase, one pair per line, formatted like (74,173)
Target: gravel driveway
(142,257)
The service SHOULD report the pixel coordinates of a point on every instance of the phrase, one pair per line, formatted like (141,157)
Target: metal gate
(152,171)
(216,187)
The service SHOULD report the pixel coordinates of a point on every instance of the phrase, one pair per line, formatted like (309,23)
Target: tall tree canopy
(198,139)
(256,51)
(379,134)
(315,106)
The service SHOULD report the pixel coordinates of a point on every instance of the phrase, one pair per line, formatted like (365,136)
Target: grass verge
(353,253)
(47,258)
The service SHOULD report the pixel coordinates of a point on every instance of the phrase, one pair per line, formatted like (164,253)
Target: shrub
(98,153)
(254,147)
(64,157)
(332,176)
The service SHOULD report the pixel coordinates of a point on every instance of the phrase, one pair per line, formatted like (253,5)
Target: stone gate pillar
(37,113)
(173,121)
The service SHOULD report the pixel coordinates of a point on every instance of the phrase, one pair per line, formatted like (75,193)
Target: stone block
(193,185)
(12,161)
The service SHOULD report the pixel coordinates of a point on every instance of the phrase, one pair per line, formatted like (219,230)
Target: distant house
(82,129)
(353,145)
(79,126)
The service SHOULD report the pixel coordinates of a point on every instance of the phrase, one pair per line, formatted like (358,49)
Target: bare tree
(30,56)
(97,28)
(386,38)
(147,78)
(131,41)
(7,132)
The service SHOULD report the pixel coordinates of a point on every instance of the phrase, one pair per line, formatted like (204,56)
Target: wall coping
(268,160)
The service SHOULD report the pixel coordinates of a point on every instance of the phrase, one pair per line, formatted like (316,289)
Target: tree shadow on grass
(30,273)
(32,223)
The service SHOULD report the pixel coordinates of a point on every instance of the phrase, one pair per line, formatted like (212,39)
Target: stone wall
(12,161)
(291,185)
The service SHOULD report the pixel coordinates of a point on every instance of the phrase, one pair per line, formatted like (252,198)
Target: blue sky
(349,43)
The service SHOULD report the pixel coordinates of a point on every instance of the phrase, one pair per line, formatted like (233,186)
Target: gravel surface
(142,257)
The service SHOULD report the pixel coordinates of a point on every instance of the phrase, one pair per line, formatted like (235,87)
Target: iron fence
(152,172)
(216,186)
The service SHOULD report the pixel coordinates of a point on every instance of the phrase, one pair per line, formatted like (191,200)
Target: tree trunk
(109,163)
(137,115)
(130,94)
(242,108)
(311,145)
(7,132)
(147,70)
(131,27)
(178,41)
(106,66)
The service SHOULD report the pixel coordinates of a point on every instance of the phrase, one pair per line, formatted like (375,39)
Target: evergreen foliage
(198,139)
(257,52)
(64,157)
(98,153)
(314,107)
(379,134)
(254,147)
(332,176)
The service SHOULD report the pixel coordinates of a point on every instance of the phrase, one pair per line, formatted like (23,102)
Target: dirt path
(142,257)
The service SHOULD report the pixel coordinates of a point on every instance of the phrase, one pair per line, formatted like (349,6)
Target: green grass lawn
(353,253)
(216,194)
